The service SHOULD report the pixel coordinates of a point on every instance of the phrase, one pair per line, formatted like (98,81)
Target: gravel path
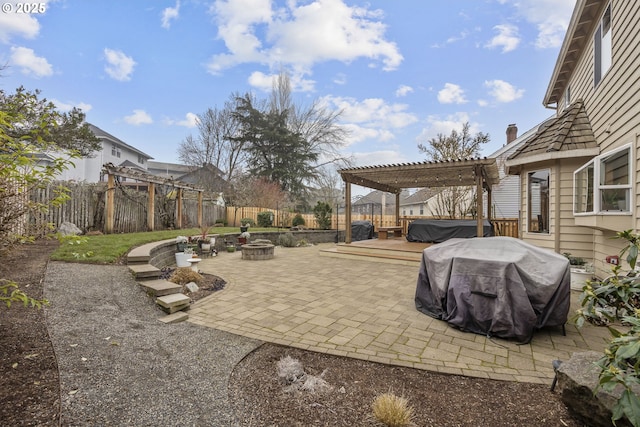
(120,366)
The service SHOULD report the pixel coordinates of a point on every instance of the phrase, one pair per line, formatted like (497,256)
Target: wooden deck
(393,250)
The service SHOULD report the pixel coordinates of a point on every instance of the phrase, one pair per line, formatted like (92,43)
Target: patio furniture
(441,230)
(494,286)
(383,232)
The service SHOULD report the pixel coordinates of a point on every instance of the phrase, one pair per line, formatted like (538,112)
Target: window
(567,97)
(604,184)
(602,46)
(421,209)
(141,160)
(411,211)
(115,151)
(538,201)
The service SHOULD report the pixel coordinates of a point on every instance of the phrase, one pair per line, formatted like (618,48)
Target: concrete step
(178,316)
(384,258)
(173,302)
(145,271)
(160,287)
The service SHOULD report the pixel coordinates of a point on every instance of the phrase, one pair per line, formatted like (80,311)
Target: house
(578,172)
(418,203)
(114,150)
(208,177)
(371,203)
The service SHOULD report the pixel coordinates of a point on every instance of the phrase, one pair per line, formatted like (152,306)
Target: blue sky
(401,71)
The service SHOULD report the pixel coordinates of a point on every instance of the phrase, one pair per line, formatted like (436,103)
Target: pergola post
(479,206)
(347,212)
(397,209)
(179,208)
(111,190)
(151,208)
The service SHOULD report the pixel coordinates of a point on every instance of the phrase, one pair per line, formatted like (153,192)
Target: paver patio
(365,310)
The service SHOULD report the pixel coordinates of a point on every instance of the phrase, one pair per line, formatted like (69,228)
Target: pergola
(482,173)
(151,180)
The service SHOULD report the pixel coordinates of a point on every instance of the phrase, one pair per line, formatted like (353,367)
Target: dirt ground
(30,390)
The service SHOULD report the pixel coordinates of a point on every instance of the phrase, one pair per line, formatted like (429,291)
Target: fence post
(151,210)
(111,188)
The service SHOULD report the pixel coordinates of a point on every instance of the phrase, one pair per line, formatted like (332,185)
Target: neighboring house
(578,172)
(168,170)
(372,202)
(208,176)
(114,150)
(418,203)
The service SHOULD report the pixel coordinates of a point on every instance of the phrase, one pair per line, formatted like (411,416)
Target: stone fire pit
(257,251)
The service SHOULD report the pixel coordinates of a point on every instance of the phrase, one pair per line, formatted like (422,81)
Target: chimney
(512,133)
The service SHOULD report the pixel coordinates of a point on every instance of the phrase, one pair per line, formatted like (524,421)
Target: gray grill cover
(496,286)
(361,230)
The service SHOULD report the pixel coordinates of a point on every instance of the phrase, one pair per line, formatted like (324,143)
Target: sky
(400,71)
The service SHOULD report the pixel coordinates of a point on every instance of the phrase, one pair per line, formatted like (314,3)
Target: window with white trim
(538,201)
(602,46)
(603,185)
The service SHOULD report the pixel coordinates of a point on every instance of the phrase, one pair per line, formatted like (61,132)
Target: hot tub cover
(496,286)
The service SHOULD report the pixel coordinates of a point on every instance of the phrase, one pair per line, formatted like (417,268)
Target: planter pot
(242,240)
(206,247)
(243,229)
(231,248)
(578,278)
(181,246)
(181,259)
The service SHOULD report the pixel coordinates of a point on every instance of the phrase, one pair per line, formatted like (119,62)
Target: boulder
(577,378)
(69,229)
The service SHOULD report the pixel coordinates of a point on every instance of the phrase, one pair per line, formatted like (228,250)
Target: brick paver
(365,310)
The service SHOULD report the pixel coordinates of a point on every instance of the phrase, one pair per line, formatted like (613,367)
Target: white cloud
(190,121)
(169,14)
(68,106)
(451,94)
(382,157)
(120,66)
(29,63)
(444,125)
(507,38)
(403,90)
(300,35)
(264,82)
(139,117)
(551,18)
(18,24)
(502,91)
(340,79)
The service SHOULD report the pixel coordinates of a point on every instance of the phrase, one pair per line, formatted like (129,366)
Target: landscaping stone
(577,378)
(192,287)
(158,288)
(174,302)
(144,271)
(176,317)
(69,229)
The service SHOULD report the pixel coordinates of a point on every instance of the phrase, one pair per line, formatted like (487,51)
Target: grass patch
(110,248)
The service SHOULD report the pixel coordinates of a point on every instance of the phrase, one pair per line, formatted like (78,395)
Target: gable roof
(420,196)
(568,135)
(585,16)
(99,133)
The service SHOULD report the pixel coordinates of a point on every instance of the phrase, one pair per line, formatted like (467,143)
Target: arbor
(454,202)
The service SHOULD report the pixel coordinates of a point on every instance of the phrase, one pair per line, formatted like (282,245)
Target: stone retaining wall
(162,254)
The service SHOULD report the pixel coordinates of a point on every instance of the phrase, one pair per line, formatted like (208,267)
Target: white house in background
(114,150)
(417,204)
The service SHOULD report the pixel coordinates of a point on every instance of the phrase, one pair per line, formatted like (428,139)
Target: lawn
(110,248)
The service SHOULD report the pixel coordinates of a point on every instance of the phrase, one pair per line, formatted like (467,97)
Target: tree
(45,128)
(322,212)
(274,152)
(28,127)
(454,202)
(214,144)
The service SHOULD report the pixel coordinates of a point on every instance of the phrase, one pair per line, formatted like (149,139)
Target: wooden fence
(282,219)
(86,209)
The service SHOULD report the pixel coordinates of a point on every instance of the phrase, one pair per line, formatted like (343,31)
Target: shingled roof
(568,135)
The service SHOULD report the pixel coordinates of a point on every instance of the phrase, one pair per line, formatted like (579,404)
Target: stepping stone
(178,316)
(174,302)
(159,287)
(142,271)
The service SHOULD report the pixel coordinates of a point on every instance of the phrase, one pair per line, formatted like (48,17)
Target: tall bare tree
(214,144)
(454,202)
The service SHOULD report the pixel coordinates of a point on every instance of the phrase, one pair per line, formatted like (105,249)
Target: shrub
(298,220)
(220,222)
(184,275)
(618,298)
(322,212)
(265,219)
(248,221)
(287,240)
(392,410)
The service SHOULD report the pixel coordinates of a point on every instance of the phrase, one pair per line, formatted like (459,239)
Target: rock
(192,287)
(577,378)
(69,229)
